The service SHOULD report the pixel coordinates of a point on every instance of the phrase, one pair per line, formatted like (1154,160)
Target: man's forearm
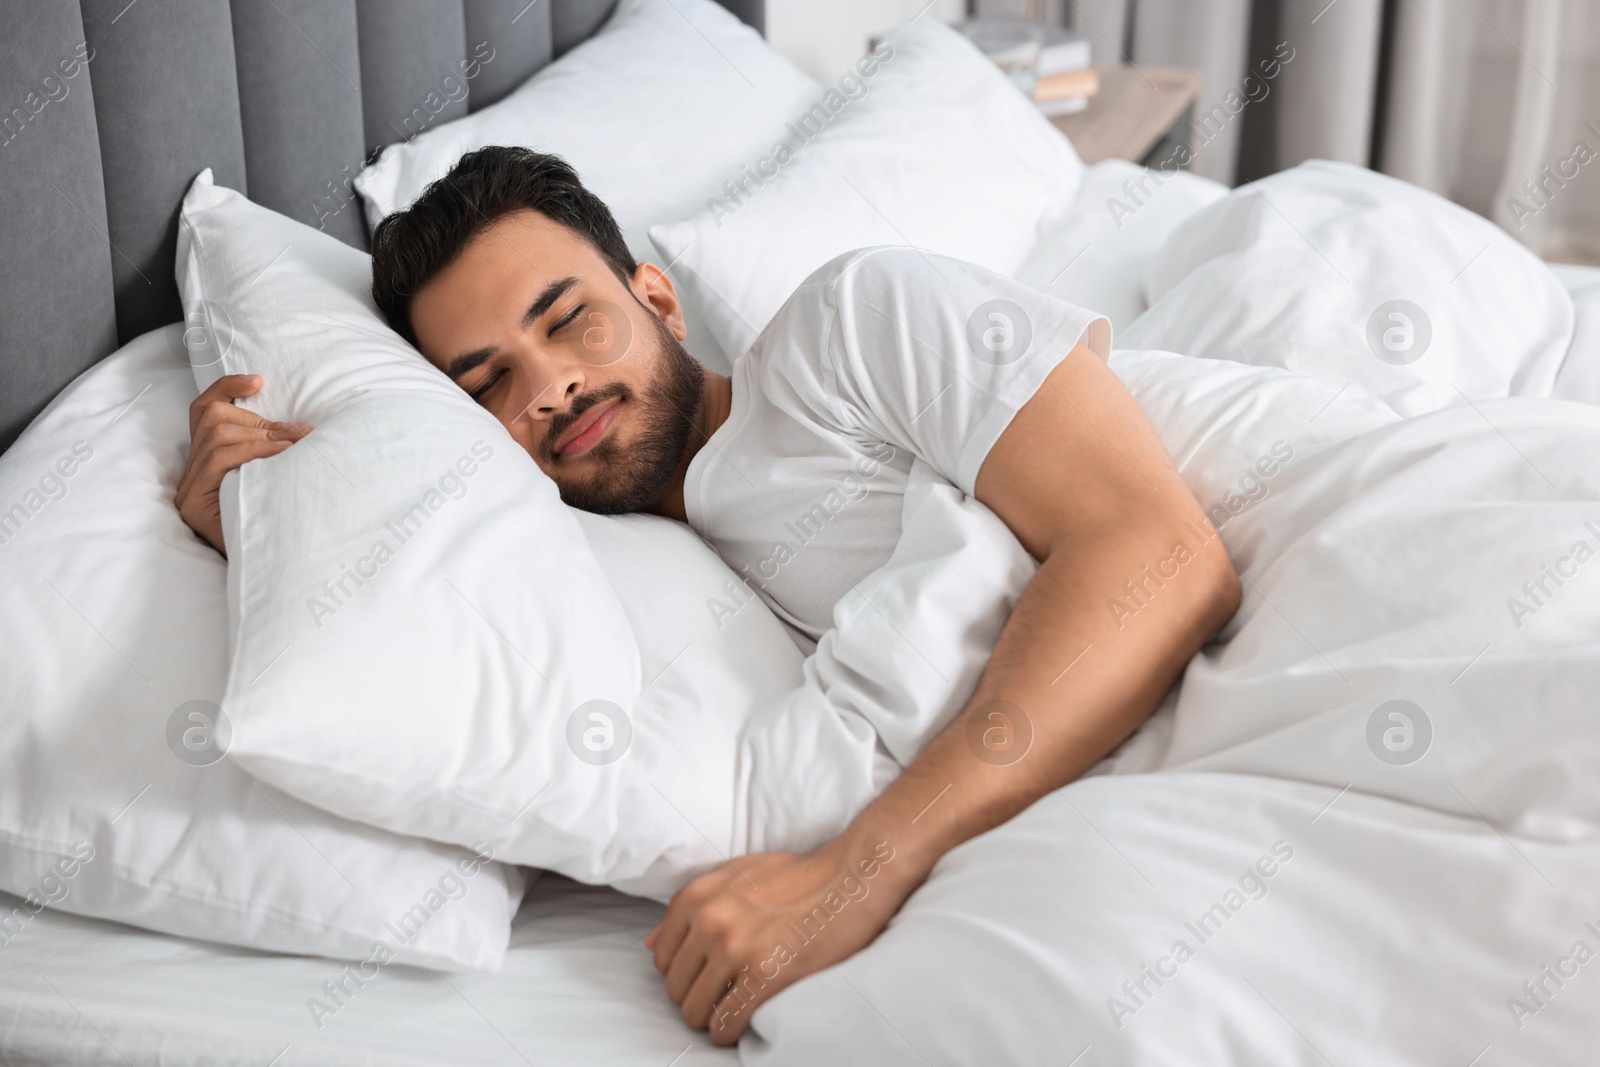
(1071,670)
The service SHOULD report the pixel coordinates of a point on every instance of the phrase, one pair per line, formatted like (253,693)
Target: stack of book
(1066,81)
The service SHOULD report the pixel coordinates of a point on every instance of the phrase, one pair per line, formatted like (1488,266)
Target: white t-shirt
(882,355)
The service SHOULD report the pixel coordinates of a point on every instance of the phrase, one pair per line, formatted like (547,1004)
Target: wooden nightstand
(1141,115)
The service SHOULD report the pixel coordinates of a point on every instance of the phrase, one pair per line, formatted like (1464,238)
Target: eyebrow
(468,361)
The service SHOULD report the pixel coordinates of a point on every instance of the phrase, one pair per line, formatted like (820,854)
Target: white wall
(824,37)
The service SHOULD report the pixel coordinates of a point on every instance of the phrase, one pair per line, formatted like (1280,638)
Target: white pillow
(935,148)
(453,692)
(115,800)
(655,112)
(713,656)
(1095,254)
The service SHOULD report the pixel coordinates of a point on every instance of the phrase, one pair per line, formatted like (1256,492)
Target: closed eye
(483,390)
(566,320)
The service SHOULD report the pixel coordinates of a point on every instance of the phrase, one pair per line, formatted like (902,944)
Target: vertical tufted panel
(166,107)
(572,21)
(413,57)
(57,314)
(300,101)
(518,31)
(293,93)
(750,12)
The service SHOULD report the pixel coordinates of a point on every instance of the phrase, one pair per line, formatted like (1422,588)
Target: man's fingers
(232,457)
(233,386)
(197,494)
(220,411)
(670,932)
(681,910)
(224,391)
(686,966)
(729,1017)
(224,431)
(222,435)
(709,987)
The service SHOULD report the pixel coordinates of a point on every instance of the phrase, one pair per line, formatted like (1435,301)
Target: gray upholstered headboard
(108,108)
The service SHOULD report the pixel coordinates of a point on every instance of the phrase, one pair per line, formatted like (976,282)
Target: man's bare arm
(1083,481)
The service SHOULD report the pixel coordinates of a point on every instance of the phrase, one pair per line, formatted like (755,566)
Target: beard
(630,477)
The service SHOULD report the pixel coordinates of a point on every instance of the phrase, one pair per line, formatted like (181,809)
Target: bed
(287,100)
(1345,889)
(575,989)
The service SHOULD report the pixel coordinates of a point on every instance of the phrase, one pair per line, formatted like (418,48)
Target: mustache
(559,424)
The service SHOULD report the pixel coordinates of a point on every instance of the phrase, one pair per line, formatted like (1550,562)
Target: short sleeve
(936,355)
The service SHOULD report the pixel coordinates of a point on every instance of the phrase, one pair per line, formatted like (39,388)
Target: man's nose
(555,381)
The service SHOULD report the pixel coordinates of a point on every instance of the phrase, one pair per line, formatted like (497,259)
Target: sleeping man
(514,280)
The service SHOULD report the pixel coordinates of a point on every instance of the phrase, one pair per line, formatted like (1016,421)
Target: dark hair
(411,246)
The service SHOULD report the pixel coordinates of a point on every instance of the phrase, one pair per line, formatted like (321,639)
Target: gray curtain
(1493,103)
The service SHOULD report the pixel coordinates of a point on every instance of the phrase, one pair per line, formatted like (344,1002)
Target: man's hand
(223,438)
(735,936)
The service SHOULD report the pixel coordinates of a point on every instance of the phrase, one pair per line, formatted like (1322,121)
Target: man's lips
(590,428)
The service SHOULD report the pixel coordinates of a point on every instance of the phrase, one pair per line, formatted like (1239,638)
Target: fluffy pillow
(430,645)
(118,798)
(927,143)
(713,657)
(1096,253)
(655,112)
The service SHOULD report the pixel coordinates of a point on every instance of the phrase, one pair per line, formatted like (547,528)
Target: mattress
(576,988)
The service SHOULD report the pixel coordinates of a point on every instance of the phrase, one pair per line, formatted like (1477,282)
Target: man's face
(533,323)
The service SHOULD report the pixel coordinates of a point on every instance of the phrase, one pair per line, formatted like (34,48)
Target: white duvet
(1399,722)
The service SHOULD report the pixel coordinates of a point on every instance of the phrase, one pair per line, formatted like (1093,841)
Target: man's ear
(656,291)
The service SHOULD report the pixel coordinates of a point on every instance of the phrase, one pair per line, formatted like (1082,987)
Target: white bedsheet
(577,988)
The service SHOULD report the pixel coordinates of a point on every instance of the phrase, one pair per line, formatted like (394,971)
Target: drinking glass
(1013,45)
